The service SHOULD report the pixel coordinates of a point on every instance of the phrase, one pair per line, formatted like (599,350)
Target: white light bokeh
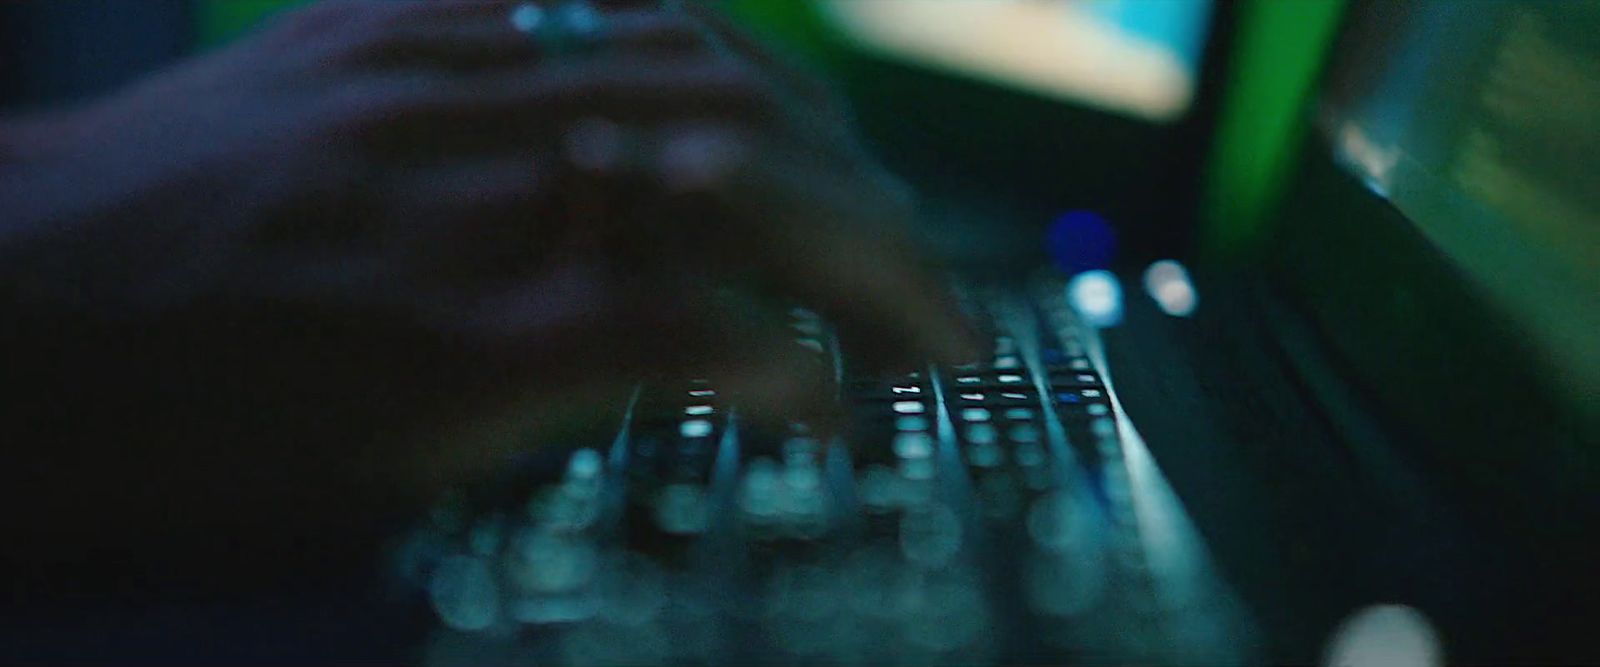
(695,428)
(1385,634)
(1167,282)
(1097,296)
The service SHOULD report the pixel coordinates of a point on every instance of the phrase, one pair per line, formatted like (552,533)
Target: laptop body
(1001,512)
(1239,552)
(1360,452)
(1394,405)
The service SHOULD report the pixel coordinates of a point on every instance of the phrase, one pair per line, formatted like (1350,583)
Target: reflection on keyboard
(977,514)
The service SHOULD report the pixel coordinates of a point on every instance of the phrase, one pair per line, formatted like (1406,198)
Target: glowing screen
(1137,57)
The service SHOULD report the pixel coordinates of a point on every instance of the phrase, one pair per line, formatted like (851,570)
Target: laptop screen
(1477,121)
(1132,57)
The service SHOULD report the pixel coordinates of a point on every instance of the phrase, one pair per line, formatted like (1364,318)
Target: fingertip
(595,145)
(962,344)
(700,159)
(950,334)
(780,383)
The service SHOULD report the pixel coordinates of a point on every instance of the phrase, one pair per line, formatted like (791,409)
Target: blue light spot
(1081,241)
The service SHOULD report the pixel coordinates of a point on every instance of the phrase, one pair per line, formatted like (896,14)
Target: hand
(291,270)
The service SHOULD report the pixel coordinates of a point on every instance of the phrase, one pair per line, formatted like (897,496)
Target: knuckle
(324,26)
(395,15)
(358,108)
(355,28)
(380,29)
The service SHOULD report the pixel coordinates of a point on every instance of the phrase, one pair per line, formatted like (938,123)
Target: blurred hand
(269,287)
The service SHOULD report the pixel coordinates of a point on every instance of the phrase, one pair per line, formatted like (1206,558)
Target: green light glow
(1280,49)
(219,21)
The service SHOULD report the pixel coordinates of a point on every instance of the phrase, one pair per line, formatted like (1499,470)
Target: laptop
(1252,394)
(999,512)
(1345,437)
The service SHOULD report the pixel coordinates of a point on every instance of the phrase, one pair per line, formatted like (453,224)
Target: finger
(407,116)
(771,374)
(487,39)
(477,186)
(581,319)
(620,84)
(597,321)
(460,222)
(580,327)
(795,228)
(473,221)
(804,233)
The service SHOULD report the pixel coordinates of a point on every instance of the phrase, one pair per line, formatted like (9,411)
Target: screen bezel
(1450,369)
(1007,160)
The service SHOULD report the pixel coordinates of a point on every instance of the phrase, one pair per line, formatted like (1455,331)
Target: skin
(271,297)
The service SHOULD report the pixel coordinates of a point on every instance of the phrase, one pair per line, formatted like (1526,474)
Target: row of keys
(903,582)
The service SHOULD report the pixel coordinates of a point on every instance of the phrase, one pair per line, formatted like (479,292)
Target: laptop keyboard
(975,514)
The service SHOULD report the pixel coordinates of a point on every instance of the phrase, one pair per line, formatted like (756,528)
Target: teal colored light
(1177,25)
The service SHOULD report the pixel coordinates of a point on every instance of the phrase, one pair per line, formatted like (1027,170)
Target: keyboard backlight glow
(910,423)
(695,428)
(913,445)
